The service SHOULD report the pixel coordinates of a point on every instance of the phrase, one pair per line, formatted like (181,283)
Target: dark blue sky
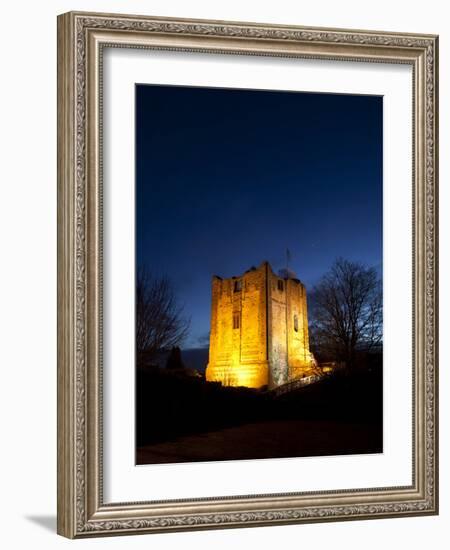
(226,179)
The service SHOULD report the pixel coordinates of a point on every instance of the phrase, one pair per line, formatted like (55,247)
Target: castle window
(236,320)
(280,286)
(295,323)
(237,285)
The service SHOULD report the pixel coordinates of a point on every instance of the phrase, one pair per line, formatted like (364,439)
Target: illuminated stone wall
(255,340)
(277,335)
(301,361)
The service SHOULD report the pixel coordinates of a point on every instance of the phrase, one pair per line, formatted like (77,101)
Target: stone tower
(259,330)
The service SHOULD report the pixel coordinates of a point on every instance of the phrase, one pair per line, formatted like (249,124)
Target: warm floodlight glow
(259,330)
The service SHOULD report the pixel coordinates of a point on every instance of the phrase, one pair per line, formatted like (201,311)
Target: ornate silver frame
(81,38)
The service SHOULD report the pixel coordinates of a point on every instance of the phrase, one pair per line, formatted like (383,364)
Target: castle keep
(259,330)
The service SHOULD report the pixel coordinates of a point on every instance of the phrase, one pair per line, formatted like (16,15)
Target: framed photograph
(247,274)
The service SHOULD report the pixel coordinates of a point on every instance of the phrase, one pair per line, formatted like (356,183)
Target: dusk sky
(226,179)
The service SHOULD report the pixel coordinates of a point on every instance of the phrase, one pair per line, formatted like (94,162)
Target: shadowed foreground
(275,439)
(188,420)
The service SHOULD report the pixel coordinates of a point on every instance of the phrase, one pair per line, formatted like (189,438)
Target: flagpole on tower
(288,259)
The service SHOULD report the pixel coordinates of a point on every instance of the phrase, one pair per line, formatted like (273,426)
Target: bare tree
(160,324)
(347,310)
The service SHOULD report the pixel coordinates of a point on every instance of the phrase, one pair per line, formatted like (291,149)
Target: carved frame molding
(81,39)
